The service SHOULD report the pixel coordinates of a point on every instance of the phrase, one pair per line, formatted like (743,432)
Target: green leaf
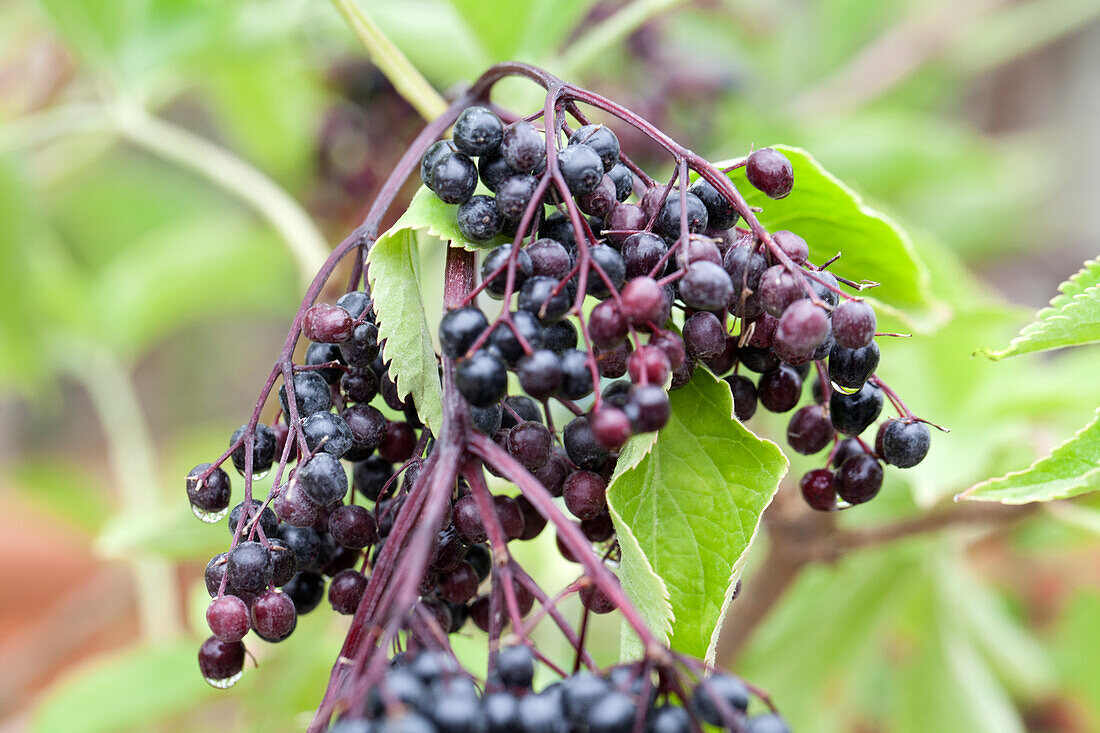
(1072,319)
(394,273)
(115,694)
(393,265)
(692,506)
(833,218)
(1073,468)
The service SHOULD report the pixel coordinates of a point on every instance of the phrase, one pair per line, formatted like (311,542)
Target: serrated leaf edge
(975,492)
(1055,312)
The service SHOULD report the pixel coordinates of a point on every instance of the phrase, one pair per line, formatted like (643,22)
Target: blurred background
(173,171)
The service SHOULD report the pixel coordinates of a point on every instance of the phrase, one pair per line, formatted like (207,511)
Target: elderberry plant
(616,291)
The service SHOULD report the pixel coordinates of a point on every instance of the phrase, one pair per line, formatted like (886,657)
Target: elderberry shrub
(603,316)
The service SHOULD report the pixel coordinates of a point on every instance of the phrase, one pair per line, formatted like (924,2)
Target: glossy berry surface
(479,219)
(478,131)
(771,172)
(905,444)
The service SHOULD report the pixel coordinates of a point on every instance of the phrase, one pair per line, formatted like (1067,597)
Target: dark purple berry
(769,171)
(905,444)
(705,286)
(810,430)
(228,618)
(273,615)
(704,336)
(818,489)
(478,131)
(210,495)
(346,590)
(668,221)
(792,245)
(540,374)
(530,443)
(454,178)
(221,662)
(744,396)
(323,479)
(523,147)
(585,494)
(854,324)
(852,414)
(581,167)
(248,567)
(780,388)
(479,219)
(859,478)
(602,140)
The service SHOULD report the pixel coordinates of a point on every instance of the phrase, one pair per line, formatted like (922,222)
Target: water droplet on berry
(844,390)
(259,475)
(226,683)
(209,517)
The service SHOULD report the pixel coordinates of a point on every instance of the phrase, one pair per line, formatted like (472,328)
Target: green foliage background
(163,195)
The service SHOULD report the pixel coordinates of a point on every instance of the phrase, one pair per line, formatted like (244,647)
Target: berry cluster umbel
(614,290)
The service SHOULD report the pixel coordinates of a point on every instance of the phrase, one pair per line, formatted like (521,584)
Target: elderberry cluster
(281,555)
(614,289)
(427,692)
(747,307)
